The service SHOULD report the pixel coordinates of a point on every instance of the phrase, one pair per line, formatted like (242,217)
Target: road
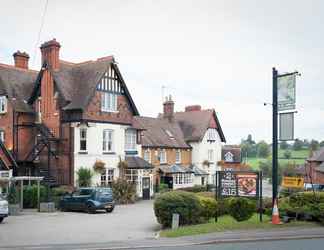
(126,222)
(310,244)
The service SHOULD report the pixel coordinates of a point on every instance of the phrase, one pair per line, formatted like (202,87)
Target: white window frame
(130,140)
(107,177)
(2,135)
(107,140)
(109,102)
(147,155)
(210,156)
(178,156)
(132,175)
(163,156)
(3,104)
(83,138)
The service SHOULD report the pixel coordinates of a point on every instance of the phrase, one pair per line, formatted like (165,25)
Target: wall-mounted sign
(5,174)
(292,182)
(286,92)
(286,126)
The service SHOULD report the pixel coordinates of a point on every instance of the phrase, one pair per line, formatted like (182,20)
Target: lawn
(227,223)
(297,157)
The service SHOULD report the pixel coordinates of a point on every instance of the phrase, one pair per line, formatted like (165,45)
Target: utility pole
(274,134)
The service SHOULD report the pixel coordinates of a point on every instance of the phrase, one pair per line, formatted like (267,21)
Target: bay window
(107,177)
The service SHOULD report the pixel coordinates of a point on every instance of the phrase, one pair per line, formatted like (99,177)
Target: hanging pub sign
(286,126)
(286,92)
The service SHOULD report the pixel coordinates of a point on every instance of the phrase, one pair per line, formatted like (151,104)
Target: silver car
(3,208)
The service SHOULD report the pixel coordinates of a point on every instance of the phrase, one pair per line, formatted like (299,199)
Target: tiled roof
(318,155)
(173,169)
(159,132)
(135,162)
(17,83)
(194,124)
(198,171)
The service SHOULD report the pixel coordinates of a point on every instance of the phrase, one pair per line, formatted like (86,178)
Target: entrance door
(146,188)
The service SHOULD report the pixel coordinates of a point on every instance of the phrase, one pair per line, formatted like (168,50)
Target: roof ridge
(16,68)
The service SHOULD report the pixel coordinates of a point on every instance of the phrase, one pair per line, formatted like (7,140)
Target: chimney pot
(21,59)
(193,108)
(50,53)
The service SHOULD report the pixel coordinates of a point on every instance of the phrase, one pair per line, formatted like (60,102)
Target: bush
(84,177)
(223,205)
(206,194)
(241,208)
(163,187)
(194,189)
(209,207)
(13,195)
(30,195)
(124,191)
(185,204)
(267,205)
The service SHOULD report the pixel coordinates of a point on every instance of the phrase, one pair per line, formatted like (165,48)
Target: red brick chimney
(193,108)
(50,53)
(21,59)
(168,108)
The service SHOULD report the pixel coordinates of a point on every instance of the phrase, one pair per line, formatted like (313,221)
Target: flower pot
(47,207)
(14,209)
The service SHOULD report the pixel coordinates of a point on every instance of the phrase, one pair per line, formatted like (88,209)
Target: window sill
(109,111)
(108,153)
(83,152)
(3,112)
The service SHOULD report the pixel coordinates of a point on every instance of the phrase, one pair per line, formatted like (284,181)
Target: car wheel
(1,219)
(91,209)
(109,210)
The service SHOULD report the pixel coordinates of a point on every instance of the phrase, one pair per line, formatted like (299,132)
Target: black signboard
(239,184)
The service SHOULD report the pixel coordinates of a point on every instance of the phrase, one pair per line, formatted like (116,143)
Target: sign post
(274,134)
(239,184)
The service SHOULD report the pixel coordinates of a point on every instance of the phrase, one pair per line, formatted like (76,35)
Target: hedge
(209,207)
(186,204)
(194,189)
(241,208)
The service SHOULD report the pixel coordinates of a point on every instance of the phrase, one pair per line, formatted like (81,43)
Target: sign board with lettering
(286,92)
(286,126)
(5,174)
(292,182)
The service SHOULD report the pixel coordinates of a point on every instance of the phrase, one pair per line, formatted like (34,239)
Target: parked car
(89,200)
(3,208)
(316,187)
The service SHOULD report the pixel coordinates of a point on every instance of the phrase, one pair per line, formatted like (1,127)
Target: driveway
(126,222)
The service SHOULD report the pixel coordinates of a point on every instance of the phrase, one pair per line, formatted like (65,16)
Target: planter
(47,207)
(14,209)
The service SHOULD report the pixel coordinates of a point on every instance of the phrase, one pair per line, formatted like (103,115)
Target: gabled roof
(17,83)
(135,162)
(317,155)
(77,82)
(194,124)
(235,151)
(159,132)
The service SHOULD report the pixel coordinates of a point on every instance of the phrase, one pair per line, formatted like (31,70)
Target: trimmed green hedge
(186,204)
(209,207)
(241,208)
(194,189)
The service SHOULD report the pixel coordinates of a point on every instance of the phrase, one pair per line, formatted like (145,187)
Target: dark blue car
(89,200)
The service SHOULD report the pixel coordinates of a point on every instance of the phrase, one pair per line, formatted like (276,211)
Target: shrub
(223,205)
(206,194)
(13,195)
(84,177)
(99,166)
(209,207)
(30,195)
(185,204)
(267,205)
(163,187)
(124,191)
(241,208)
(194,189)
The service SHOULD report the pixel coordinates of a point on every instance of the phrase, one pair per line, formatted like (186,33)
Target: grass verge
(227,223)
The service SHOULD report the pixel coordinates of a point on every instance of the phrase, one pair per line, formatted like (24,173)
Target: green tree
(298,145)
(287,154)
(314,145)
(263,149)
(284,145)
(322,144)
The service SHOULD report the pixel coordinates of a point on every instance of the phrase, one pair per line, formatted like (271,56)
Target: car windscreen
(85,192)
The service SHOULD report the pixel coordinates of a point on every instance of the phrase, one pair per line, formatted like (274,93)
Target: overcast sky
(216,53)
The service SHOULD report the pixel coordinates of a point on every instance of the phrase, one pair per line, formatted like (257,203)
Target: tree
(249,139)
(321,144)
(263,149)
(314,145)
(287,154)
(298,144)
(284,145)
(84,177)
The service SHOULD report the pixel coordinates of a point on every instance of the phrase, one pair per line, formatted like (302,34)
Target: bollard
(175,221)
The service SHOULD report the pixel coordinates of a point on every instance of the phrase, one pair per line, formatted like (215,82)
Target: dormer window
(211,134)
(3,104)
(109,102)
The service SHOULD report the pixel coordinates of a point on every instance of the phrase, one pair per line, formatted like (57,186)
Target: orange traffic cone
(275,214)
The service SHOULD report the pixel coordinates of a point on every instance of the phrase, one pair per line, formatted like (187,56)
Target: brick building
(69,115)
(314,168)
